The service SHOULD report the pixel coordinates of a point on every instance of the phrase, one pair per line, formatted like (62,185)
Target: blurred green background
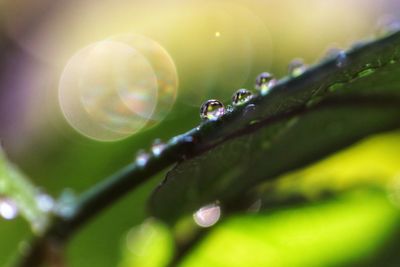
(216,48)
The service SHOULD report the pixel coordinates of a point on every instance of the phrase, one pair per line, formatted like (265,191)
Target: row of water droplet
(213,109)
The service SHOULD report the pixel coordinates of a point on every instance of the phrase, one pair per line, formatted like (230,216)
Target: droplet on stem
(212,110)
(142,158)
(264,82)
(241,96)
(296,67)
(157,147)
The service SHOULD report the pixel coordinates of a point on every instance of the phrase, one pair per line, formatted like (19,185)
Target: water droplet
(65,206)
(208,215)
(241,96)
(8,209)
(157,147)
(341,59)
(296,67)
(142,158)
(45,202)
(229,108)
(264,82)
(212,110)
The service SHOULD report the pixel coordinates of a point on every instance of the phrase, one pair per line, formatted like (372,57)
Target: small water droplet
(241,96)
(207,215)
(341,59)
(8,209)
(65,206)
(229,108)
(157,147)
(45,202)
(212,110)
(296,67)
(142,158)
(264,82)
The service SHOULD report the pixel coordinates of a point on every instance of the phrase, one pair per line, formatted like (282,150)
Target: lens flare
(164,70)
(113,88)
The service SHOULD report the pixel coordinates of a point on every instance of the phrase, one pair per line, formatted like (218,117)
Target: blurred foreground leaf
(339,232)
(28,199)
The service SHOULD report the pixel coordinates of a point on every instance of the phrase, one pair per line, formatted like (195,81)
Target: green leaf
(16,187)
(332,105)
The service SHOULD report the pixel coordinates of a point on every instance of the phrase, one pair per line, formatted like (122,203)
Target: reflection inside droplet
(8,209)
(208,215)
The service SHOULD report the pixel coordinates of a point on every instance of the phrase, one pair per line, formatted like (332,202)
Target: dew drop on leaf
(207,215)
(157,147)
(212,110)
(296,67)
(241,97)
(264,82)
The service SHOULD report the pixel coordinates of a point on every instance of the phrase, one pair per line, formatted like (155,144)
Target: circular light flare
(108,91)
(164,70)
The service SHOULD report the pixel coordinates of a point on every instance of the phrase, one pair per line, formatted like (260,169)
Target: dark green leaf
(300,121)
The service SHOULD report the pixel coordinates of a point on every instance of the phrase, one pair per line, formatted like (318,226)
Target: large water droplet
(296,67)
(8,209)
(212,110)
(157,147)
(208,215)
(264,82)
(142,158)
(241,97)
